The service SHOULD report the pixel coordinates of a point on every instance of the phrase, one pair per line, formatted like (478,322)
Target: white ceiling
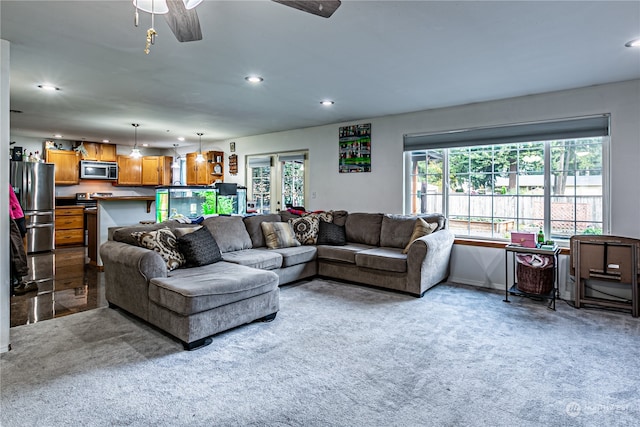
(373,58)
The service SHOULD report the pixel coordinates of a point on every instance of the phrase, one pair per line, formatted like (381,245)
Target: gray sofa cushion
(263,259)
(229,232)
(396,230)
(346,253)
(364,228)
(189,291)
(252,223)
(386,259)
(296,255)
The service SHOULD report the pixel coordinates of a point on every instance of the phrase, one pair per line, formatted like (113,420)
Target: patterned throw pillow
(331,234)
(199,248)
(162,241)
(279,235)
(306,229)
(420,229)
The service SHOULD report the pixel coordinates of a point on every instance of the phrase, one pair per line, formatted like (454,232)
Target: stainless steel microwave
(98,170)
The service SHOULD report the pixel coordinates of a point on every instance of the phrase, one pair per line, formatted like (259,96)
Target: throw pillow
(162,241)
(331,234)
(420,229)
(199,248)
(306,229)
(181,231)
(279,235)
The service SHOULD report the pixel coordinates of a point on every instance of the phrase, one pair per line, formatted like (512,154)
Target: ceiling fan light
(152,6)
(199,158)
(190,4)
(135,153)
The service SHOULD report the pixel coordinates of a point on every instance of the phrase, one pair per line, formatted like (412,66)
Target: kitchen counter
(148,199)
(120,211)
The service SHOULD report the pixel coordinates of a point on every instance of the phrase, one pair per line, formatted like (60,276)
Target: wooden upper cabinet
(198,172)
(66,169)
(108,153)
(129,170)
(99,151)
(156,170)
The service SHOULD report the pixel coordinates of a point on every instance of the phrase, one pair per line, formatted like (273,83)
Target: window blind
(528,132)
(259,162)
(292,158)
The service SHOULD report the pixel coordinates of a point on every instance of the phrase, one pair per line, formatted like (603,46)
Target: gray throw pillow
(199,248)
(331,234)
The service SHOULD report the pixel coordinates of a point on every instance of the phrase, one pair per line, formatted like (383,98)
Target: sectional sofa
(247,259)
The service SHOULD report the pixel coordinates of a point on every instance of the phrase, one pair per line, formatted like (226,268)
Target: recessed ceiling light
(145,145)
(181,138)
(633,43)
(48,87)
(254,79)
(327,102)
(57,136)
(105,141)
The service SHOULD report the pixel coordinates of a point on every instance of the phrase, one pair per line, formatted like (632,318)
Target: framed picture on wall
(354,148)
(232,147)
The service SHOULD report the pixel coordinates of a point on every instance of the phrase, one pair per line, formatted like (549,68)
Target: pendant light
(200,157)
(176,158)
(135,152)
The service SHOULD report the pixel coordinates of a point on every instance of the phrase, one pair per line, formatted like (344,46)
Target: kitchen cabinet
(129,170)
(216,162)
(69,228)
(66,170)
(198,172)
(99,151)
(156,170)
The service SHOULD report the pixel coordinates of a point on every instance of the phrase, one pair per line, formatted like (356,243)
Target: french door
(276,181)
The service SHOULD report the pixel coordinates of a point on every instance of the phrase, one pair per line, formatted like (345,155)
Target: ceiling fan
(182,18)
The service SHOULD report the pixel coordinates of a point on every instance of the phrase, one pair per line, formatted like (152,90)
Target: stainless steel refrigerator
(34,186)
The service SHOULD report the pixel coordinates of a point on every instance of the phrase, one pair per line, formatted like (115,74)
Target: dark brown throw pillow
(199,248)
(331,234)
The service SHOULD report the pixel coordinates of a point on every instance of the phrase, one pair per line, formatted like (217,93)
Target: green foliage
(209,204)
(225,205)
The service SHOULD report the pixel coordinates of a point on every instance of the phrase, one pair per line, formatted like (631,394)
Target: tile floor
(66,285)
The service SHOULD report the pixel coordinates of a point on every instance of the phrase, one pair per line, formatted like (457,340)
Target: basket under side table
(513,289)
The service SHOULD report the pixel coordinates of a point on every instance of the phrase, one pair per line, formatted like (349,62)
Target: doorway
(277,181)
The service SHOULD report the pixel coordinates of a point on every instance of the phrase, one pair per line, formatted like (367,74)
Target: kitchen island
(120,211)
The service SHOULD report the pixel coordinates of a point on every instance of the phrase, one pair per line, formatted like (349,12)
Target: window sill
(492,244)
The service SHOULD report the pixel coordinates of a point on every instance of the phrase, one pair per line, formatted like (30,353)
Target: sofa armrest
(428,261)
(128,270)
(132,260)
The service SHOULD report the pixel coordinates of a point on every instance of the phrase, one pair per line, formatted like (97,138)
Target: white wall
(382,189)
(5,320)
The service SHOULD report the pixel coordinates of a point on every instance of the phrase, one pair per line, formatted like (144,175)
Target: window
(526,181)
(280,177)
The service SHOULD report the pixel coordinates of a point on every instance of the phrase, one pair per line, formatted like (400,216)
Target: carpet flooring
(336,355)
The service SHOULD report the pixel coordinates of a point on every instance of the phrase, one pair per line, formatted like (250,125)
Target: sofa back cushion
(364,228)
(252,224)
(229,232)
(396,230)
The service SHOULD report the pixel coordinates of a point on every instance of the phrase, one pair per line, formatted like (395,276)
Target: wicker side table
(513,289)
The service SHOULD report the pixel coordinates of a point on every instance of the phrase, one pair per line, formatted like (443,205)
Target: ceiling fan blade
(324,8)
(183,22)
